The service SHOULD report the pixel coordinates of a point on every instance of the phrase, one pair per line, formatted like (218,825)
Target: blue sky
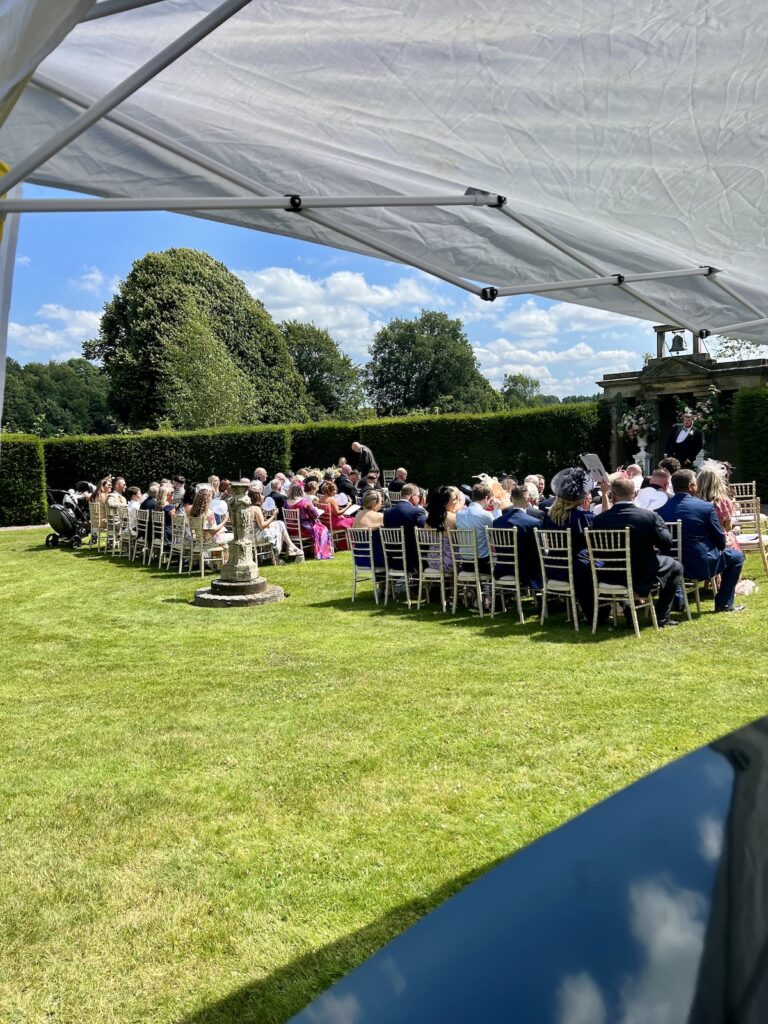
(68,265)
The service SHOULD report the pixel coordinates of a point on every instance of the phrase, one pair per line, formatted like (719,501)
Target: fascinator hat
(572,484)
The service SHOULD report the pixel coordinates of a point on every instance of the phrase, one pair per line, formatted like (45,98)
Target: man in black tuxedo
(684,443)
(366,462)
(408,513)
(649,542)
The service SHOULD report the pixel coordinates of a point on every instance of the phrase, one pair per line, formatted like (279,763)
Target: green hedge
(22,471)
(434,449)
(750,429)
(140,458)
(450,449)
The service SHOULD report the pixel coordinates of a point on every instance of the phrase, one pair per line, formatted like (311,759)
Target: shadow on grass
(287,990)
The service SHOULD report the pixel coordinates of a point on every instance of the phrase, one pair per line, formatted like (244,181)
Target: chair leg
(386,589)
(407,581)
(575,607)
(543,605)
(418,595)
(443,600)
(479,599)
(633,613)
(652,612)
(493,597)
(455,595)
(519,600)
(594,614)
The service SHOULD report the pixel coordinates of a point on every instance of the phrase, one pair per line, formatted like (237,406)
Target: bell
(678,344)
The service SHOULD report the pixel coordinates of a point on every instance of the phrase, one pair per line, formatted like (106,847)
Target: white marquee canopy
(614,155)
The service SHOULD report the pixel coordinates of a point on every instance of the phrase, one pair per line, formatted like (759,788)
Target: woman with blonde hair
(370,517)
(214,535)
(103,490)
(711,486)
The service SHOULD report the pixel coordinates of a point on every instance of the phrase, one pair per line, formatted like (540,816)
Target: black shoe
(666,623)
(732,608)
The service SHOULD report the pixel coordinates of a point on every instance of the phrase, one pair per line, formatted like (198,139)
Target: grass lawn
(209,816)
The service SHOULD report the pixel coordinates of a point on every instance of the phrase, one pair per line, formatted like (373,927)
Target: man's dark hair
(179,479)
(480,492)
(408,490)
(682,480)
(671,464)
(518,493)
(622,489)
(134,491)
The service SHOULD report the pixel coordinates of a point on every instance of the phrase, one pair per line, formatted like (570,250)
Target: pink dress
(310,527)
(725,509)
(338,521)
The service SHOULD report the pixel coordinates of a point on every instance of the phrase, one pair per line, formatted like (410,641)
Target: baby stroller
(68,518)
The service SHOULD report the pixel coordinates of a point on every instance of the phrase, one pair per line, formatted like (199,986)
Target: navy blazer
(409,516)
(529,566)
(703,536)
(648,535)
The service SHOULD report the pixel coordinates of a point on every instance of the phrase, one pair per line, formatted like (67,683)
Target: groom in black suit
(684,443)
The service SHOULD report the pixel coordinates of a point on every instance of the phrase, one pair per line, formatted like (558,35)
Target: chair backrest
(125,517)
(292,519)
(360,540)
(463,548)
(178,530)
(555,547)
(325,517)
(676,533)
(196,529)
(610,548)
(98,515)
(749,516)
(113,514)
(158,524)
(389,476)
(429,547)
(393,546)
(142,523)
(502,550)
(742,491)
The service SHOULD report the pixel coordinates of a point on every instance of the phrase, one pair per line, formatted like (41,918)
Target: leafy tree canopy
(330,377)
(520,390)
(57,398)
(183,343)
(426,364)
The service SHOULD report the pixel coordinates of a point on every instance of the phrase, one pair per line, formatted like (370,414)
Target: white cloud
(58,333)
(344,303)
(91,280)
(580,1001)
(23,261)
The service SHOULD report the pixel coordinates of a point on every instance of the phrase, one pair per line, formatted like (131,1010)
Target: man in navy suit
(704,548)
(528,564)
(408,513)
(649,545)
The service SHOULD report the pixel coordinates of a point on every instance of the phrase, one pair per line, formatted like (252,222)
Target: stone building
(679,375)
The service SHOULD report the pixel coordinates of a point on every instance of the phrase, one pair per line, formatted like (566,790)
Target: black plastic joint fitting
(295,202)
(501,201)
(489,294)
(704,334)
(619,278)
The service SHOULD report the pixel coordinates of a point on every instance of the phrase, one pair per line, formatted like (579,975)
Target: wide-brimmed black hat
(572,483)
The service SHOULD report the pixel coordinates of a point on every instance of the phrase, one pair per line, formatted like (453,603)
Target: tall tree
(57,398)
(520,390)
(332,380)
(181,318)
(426,364)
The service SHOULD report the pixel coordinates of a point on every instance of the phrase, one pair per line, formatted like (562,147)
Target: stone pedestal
(240,584)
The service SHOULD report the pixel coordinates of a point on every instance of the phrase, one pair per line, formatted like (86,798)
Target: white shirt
(684,432)
(651,497)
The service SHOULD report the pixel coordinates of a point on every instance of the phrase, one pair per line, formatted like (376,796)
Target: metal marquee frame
(311,207)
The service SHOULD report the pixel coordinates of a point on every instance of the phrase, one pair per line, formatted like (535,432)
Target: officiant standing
(684,443)
(366,463)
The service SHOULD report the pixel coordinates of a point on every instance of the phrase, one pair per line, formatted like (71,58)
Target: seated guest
(476,516)
(214,534)
(308,520)
(649,545)
(117,498)
(327,501)
(401,475)
(711,486)
(260,474)
(370,517)
(311,485)
(165,504)
(103,490)
(368,484)
(214,483)
(635,474)
(406,512)
(268,529)
(179,487)
(528,564)
(654,495)
(705,547)
(533,508)
(571,511)
(150,502)
(225,489)
(442,505)
(275,499)
(671,465)
(345,485)
(184,506)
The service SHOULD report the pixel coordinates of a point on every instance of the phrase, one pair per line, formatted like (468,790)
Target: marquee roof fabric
(628,138)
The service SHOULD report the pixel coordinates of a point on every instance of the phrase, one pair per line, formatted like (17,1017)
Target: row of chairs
(114,533)
(451,562)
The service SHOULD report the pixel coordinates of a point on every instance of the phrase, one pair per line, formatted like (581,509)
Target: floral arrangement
(707,413)
(639,423)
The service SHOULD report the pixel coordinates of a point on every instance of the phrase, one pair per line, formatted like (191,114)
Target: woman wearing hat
(570,510)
